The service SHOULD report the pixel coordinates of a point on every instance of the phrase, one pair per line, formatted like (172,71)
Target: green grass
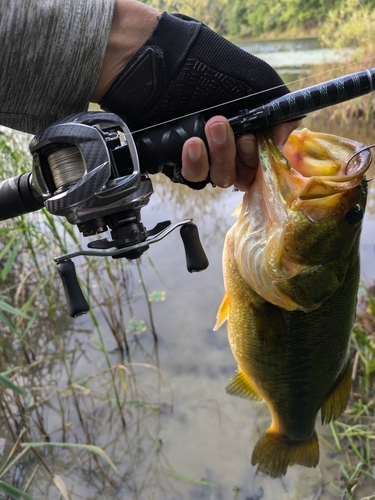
(354,432)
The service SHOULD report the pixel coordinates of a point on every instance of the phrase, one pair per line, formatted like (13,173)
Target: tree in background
(214,13)
(341,23)
(256,18)
(350,24)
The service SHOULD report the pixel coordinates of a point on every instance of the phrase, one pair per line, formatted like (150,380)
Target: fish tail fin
(273,453)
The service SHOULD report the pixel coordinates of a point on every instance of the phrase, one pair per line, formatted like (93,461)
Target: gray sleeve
(51,52)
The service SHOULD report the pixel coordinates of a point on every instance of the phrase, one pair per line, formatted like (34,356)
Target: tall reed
(63,382)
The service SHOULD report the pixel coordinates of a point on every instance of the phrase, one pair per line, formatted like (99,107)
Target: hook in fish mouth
(357,153)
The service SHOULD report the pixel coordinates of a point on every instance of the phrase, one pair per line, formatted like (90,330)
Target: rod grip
(161,146)
(17,197)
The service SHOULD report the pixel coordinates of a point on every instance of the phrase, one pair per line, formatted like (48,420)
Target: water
(289,56)
(185,438)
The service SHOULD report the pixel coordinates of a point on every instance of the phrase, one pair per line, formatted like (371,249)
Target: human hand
(163,81)
(230,161)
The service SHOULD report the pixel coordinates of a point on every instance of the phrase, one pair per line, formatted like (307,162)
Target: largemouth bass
(291,274)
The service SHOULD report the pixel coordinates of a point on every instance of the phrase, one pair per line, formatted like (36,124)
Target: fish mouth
(302,217)
(324,164)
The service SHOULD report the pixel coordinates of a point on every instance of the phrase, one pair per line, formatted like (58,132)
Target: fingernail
(247,146)
(218,132)
(194,149)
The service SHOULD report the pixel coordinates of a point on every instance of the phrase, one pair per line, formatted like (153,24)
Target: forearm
(51,55)
(133,23)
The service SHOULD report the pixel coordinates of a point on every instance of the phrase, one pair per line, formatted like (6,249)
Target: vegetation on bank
(339,22)
(61,384)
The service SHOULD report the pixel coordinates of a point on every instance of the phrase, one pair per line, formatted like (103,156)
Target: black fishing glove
(185,67)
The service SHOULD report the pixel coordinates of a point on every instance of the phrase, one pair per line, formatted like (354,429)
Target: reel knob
(196,259)
(75,300)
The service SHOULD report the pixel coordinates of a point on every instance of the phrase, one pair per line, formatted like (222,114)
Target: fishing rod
(90,168)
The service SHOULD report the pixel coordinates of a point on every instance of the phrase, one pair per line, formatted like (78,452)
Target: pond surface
(289,56)
(209,434)
(184,438)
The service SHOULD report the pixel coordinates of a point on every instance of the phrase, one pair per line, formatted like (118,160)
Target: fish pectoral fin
(237,210)
(241,385)
(335,403)
(274,453)
(223,312)
(270,326)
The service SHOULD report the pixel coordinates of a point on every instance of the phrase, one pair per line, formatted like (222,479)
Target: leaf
(12,310)
(189,479)
(371,303)
(156,296)
(7,246)
(5,382)
(365,341)
(11,370)
(28,326)
(137,326)
(9,263)
(7,322)
(60,485)
(89,447)
(14,492)
(98,345)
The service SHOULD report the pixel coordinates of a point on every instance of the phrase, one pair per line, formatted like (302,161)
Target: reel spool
(67,167)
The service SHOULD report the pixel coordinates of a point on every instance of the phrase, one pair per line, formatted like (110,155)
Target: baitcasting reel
(86,168)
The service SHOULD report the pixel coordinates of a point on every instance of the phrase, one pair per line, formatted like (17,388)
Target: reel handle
(75,300)
(196,259)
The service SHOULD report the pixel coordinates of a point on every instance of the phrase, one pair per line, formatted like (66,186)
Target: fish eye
(354,215)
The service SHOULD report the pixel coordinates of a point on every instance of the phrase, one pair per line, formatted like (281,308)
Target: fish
(291,275)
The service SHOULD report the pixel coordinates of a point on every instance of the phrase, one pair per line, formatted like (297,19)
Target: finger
(247,161)
(195,165)
(245,176)
(248,158)
(247,150)
(220,139)
(281,132)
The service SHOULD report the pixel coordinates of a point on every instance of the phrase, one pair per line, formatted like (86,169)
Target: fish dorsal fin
(241,385)
(222,313)
(335,403)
